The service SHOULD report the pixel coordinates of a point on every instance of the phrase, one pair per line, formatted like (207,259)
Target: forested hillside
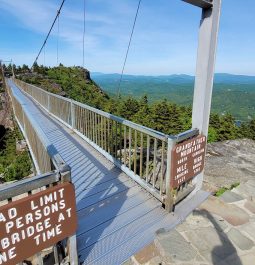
(14,164)
(233,94)
(162,115)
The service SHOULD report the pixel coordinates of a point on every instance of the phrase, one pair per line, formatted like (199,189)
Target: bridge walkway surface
(116,217)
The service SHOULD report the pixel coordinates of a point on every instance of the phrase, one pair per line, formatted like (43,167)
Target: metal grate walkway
(116,216)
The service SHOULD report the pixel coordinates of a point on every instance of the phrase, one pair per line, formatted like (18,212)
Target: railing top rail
(47,92)
(22,186)
(185,135)
(161,136)
(131,124)
(146,130)
(57,160)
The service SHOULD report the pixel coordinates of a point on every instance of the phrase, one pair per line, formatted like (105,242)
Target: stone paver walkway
(220,232)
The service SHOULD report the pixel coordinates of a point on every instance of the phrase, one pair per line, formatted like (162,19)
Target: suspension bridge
(121,170)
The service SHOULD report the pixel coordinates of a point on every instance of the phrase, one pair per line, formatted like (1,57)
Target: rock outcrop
(228,163)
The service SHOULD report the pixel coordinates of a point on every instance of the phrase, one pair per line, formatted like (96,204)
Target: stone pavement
(220,232)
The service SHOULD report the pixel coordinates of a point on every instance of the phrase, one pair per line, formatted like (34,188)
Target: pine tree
(227,130)
(128,108)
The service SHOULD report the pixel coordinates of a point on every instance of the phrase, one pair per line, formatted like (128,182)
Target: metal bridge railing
(50,167)
(142,153)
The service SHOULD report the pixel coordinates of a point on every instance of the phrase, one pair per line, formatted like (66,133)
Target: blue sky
(164,41)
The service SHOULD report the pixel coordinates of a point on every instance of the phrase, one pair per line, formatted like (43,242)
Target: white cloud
(34,15)
(164,41)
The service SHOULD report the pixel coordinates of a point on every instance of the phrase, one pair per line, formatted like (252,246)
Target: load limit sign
(36,222)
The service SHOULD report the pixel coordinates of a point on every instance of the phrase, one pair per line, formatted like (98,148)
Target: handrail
(55,157)
(142,153)
(133,125)
(51,168)
(144,129)
(16,188)
(186,135)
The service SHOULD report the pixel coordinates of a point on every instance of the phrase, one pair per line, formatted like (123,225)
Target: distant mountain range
(232,93)
(220,78)
(233,79)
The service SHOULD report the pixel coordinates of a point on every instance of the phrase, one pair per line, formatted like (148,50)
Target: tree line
(164,116)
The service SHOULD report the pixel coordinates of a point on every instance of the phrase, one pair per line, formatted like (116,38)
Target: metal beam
(200,3)
(208,36)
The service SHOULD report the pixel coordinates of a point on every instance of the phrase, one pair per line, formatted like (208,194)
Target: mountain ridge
(233,94)
(180,78)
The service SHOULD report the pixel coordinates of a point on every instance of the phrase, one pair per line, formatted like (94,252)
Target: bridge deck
(116,216)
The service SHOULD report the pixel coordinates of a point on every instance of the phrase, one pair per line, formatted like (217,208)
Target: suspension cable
(83,37)
(58,12)
(57,40)
(44,55)
(130,39)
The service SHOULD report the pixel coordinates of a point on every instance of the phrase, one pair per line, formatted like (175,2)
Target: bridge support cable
(129,43)
(83,35)
(58,42)
(44,55)
(52,25)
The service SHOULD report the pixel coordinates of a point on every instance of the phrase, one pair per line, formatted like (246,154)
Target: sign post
(208,35)
(182,168)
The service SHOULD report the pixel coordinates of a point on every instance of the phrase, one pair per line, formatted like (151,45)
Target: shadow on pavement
(226,249)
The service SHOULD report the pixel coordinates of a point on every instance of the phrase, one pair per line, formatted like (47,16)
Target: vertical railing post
(48,107)
(23,123)
(39,259)
(72,250)
(169,200)
(72,115)
(55,252)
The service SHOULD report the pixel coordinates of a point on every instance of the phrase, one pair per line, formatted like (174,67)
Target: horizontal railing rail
(50,167)
(27,185)
(141,152)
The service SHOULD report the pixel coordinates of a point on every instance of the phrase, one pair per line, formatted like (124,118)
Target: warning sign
(187,160)
(36,222)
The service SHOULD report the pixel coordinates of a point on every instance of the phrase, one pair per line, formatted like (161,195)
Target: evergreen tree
(164,117)
(212,135)
(128,108)
(252,128)
(215,121)
(227,130)
(144,113)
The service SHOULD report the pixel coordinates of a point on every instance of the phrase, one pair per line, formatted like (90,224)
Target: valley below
(232,94)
